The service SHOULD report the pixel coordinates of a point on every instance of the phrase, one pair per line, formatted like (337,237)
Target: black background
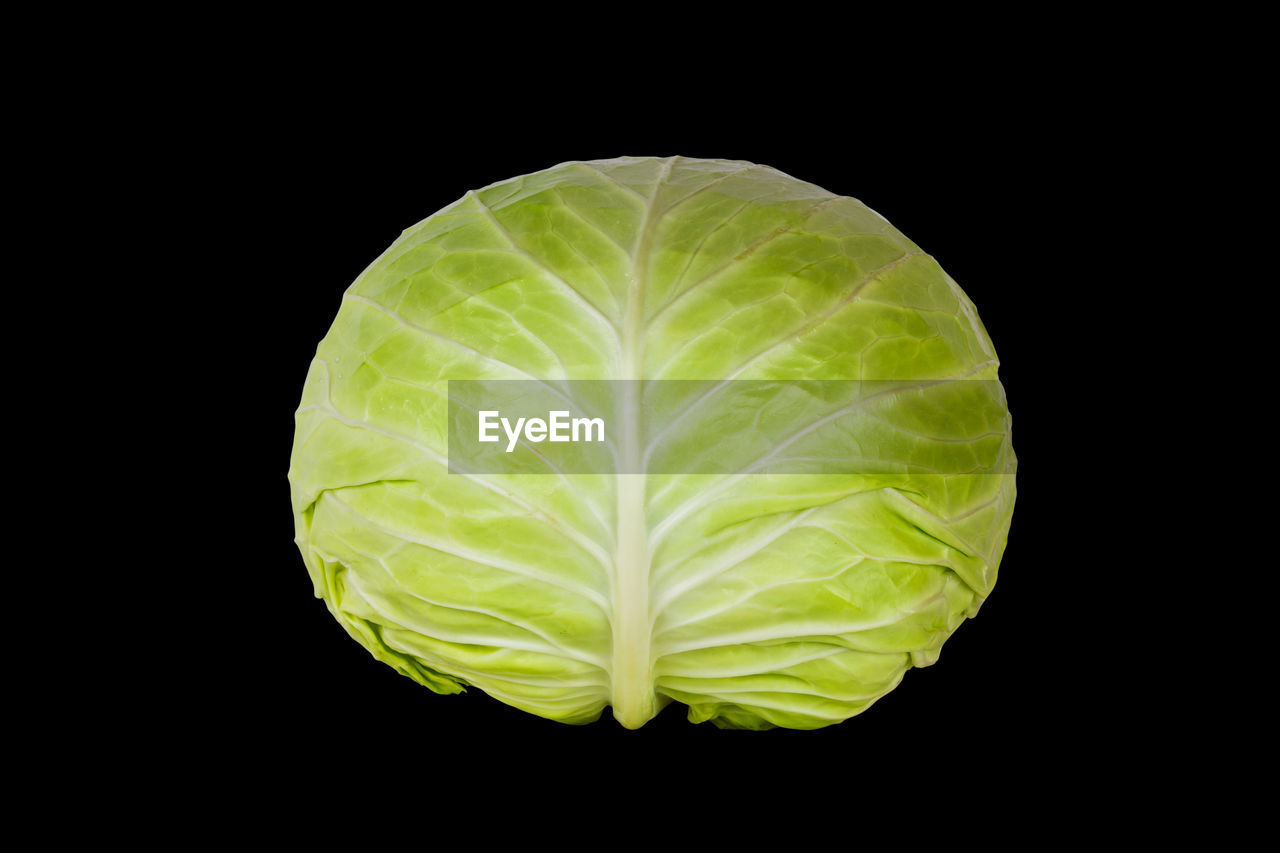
(998,193)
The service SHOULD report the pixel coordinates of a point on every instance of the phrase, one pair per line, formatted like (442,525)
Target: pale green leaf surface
(757,600)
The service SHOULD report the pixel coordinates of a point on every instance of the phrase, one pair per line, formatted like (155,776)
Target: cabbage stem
(634,701)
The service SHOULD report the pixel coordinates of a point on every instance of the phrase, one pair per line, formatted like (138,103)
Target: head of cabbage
(757,599)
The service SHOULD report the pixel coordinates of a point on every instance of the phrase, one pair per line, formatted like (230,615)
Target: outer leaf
(757,600)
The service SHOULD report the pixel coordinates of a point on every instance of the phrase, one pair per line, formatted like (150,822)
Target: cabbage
(756,596)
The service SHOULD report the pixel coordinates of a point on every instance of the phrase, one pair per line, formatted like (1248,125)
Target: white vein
(737,555)
(755,592)
(577,536)
(745,253)
(682,670)
(482,559)
(791,338)
(423,330)
(572,291)
(639,195)
(683,511)
(551,647)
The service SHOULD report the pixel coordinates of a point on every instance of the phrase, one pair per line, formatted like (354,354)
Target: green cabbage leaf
(756,599)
